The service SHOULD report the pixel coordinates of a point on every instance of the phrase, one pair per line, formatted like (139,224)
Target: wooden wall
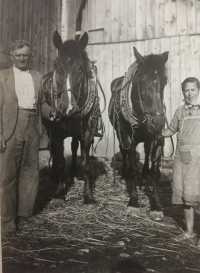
(34,21)
(152,26)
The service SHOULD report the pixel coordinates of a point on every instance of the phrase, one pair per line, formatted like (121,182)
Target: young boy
(186,169)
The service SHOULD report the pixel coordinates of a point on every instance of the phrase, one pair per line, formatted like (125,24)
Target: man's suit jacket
(9,102)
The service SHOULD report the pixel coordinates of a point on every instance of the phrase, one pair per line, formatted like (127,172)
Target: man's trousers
(20,168)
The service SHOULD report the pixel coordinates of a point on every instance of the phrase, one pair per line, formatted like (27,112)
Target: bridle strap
(98,82)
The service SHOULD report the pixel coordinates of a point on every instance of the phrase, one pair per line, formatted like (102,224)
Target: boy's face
(191,92)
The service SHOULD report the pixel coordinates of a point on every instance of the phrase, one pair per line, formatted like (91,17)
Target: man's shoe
(9,227)
(34,220)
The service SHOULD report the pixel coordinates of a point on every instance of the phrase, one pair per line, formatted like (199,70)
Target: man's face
(191,92)
(20,57)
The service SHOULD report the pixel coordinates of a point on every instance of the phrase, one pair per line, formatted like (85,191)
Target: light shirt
(24,88)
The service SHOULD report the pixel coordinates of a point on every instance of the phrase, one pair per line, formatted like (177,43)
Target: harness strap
(97,79)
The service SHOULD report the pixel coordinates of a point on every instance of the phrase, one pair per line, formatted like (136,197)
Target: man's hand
(55,115)
(2,143)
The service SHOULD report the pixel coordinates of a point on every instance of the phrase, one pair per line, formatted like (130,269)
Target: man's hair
(17,44)
(190,79)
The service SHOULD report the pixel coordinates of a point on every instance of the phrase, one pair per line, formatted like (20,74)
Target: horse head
(70,72)
(147,90)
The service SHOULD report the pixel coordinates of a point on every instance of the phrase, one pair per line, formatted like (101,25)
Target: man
(21,107)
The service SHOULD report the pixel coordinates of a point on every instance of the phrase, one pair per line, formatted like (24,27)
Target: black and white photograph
(99,136)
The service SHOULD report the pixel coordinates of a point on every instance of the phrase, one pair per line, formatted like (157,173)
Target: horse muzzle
(156,123)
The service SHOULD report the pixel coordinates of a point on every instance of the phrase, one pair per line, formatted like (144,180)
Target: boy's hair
(190,79)
(17,44)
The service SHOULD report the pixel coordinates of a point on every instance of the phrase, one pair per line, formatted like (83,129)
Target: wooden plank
(5,39)
(165,46)
(116,73)
(99,21)
(150,17)
(191,19)
(185,59)
(64,20)
(101,74)
(115,20)
(116,60)
(141,20)
(89,50)
(123,20)
(197,16)
(156,46)
(170,13)
(84,26)
(131,20)
(92,20)
(148,47)
(28,18)
(181,17)
(109,77)
(175,84)
(159,18)
(128,49)
(21,13)
(52,51)
(45,38)
(107,21)
(122,67)
(195,56)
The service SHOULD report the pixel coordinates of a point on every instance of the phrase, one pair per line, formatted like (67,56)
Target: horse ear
(164,56)
(138,56)
(83,40)
(57,41)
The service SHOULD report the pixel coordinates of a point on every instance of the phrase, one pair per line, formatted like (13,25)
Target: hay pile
(74,230)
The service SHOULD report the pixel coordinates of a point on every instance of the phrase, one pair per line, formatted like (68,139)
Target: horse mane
(77,55)
(152,63)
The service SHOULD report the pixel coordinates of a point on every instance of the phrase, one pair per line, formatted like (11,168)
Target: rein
(153,142)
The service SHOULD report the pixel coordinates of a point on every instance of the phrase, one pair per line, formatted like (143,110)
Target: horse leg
(124,173)
(57,148)
(74,148)
(133,205)
(156,211)
(86,168)
(145,169)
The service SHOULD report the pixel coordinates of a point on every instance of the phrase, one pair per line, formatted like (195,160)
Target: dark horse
(72,89)
(136,112)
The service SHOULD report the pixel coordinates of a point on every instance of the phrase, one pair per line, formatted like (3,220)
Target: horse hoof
(133,211)
(90,206)
(89,201)
(156,216)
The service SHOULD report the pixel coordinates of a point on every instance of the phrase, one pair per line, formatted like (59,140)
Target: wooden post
(68,19)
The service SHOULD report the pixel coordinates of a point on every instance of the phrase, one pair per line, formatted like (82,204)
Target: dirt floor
(101,238)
